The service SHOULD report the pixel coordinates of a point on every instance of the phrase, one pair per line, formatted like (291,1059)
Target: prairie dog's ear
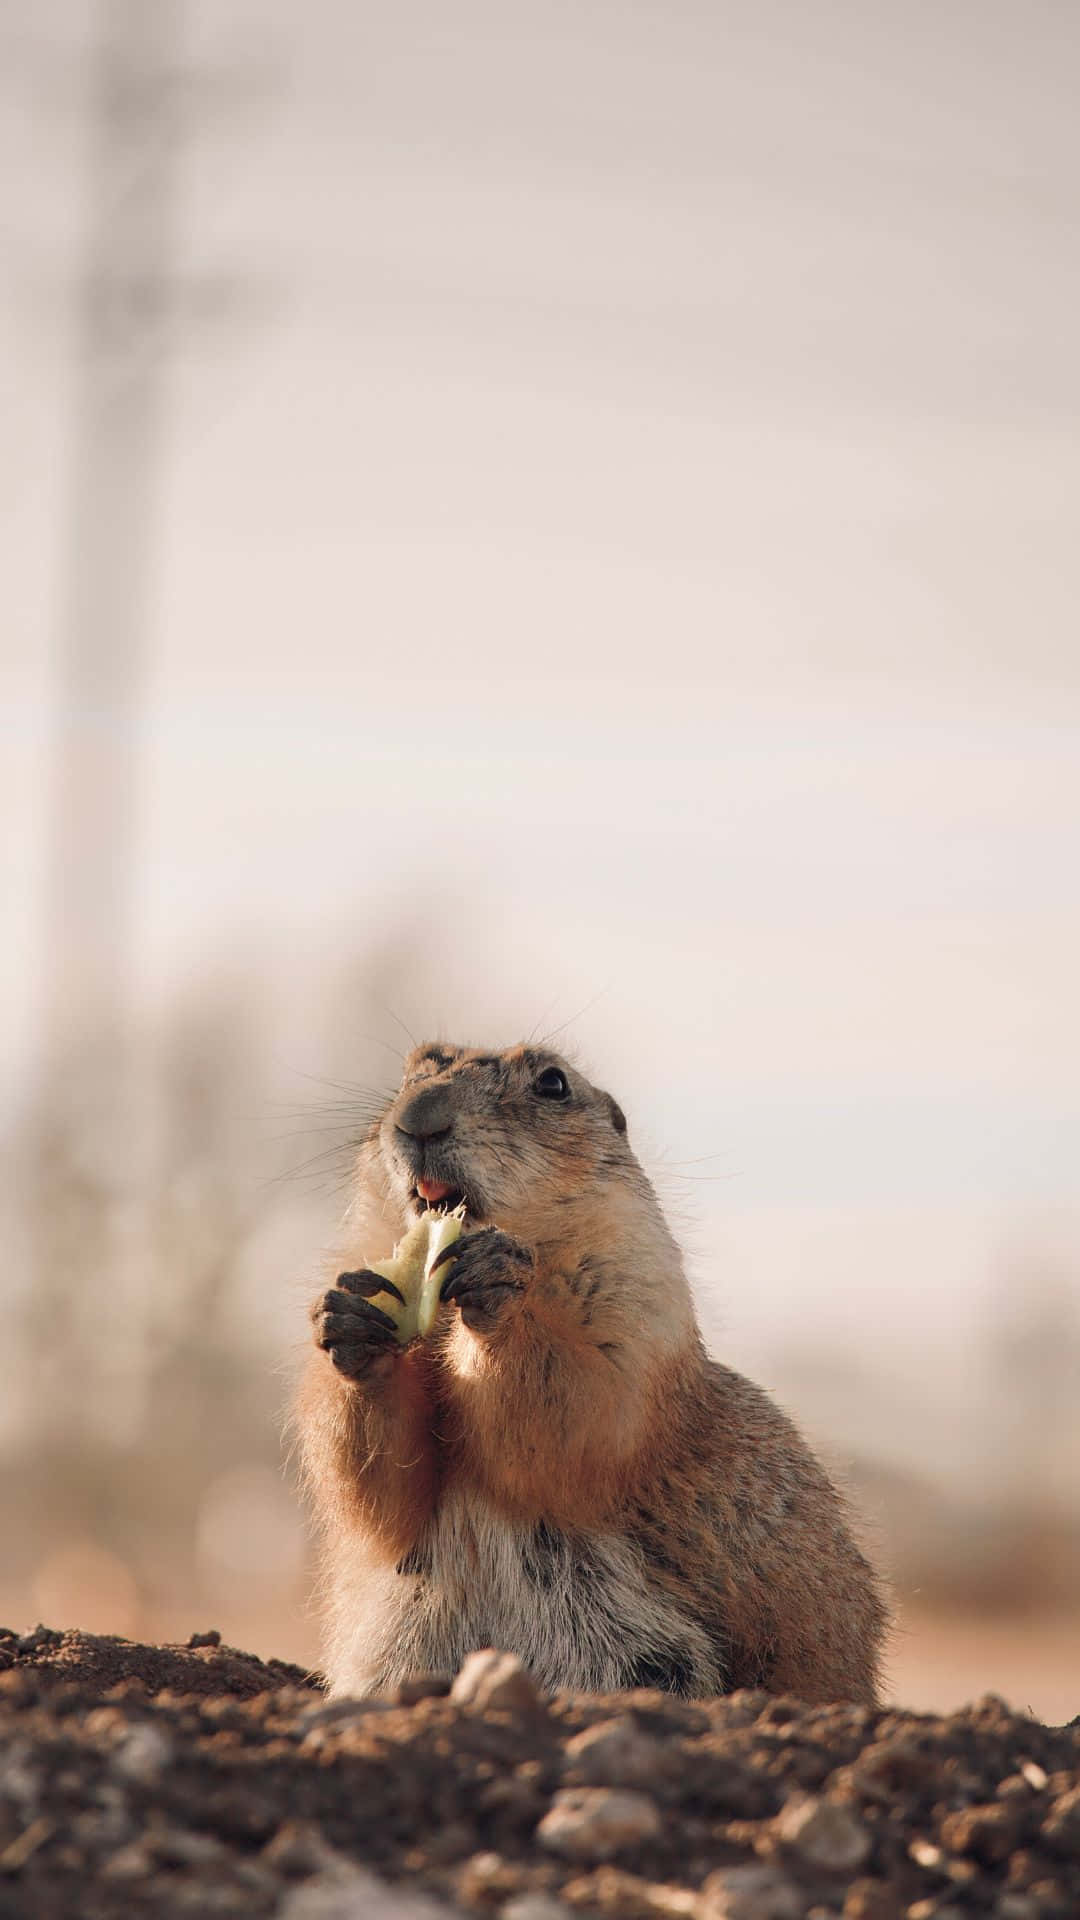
(618,1117)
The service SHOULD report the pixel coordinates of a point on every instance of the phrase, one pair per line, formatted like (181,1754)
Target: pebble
(988,1832)
(535,1906)
(143,1754)
(25,1844)
(1018,1906)
(330,1716)
(613,1891)
(597,1823)
(825,1835)
(21,1778)
(421,1686)
(179,1847)
(128,1863)
(871,1900)
(37,1637)
(614,1753)
(1061,1828)
(891,1766)
(298,1848)
(357,1895)
(486,1879)
(750,1893)
(493,1680)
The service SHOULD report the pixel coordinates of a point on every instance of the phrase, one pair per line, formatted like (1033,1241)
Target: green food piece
(410,1269)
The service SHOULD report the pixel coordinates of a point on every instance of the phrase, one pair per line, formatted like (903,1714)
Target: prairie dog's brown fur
(559,1469)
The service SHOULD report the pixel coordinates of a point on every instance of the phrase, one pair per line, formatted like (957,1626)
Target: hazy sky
(629,526)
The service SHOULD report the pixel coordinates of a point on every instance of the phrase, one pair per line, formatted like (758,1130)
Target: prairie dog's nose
(427,1115)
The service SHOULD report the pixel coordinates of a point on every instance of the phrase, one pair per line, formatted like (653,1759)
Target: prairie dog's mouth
(437,1196)
(439,1193)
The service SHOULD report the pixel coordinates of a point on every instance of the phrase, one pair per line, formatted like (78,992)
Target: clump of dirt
(197,1780)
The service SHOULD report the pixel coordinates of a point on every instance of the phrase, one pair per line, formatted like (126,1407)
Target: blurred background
(554,517)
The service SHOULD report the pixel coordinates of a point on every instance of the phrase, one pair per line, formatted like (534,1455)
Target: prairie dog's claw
(353,1332)
(493,1270)
(446,1254)
(367,1284)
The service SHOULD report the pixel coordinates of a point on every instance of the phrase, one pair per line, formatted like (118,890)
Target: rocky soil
(198,1780)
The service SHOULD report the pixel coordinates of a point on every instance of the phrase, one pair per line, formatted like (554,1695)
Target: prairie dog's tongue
(434,1190)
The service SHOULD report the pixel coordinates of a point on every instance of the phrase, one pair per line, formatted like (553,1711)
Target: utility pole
(126,291)
(133,306)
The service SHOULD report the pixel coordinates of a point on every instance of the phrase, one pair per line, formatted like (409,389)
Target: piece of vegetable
(410,1269)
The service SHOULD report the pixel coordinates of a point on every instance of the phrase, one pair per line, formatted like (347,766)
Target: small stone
(1051,1895)
(20,1778)
(260,1879)
(989,1833)
(596,1823)
(677,1902)
(961,1872)
(486,1879)
(664,1714)
(37,1638)
(825,1835)
(741,1708)
(1061,1828)
(179,1847)
(1023,1870)
(614,1892)
(494,1681)
(329,1716)
(143,1755)
(449,1842)
(100,1830)
(926,1855)
(211,1638)
(357,1895)
(103,1722)
(25,1844)
(1035,1775)
(871,1900)
(298,1848)
(535,1906)
(750,1893)
(128,1863)
(614,1753)
(891,1766)
(670,1903)
(1017,1906)
(421,1686)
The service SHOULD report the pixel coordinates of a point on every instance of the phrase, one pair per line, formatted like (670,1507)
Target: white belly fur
(579,1612)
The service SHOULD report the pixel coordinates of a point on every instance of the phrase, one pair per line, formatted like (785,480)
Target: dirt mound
(197,1780)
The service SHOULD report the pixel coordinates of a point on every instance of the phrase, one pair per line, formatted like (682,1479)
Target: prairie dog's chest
(578,1609)
(476,1559)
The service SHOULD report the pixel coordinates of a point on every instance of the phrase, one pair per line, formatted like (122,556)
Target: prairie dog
(559,1469)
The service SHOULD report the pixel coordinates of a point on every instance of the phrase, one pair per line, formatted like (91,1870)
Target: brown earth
(191,1780)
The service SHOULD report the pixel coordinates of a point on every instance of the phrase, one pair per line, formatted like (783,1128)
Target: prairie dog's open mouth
(437,1196)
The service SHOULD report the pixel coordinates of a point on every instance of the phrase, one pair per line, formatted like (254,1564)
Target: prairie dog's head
(517,1136)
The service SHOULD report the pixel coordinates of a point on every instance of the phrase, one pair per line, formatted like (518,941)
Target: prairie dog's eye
(552,1084)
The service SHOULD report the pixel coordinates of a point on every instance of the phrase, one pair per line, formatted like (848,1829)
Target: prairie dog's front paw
(350,1328)
(488,1271)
